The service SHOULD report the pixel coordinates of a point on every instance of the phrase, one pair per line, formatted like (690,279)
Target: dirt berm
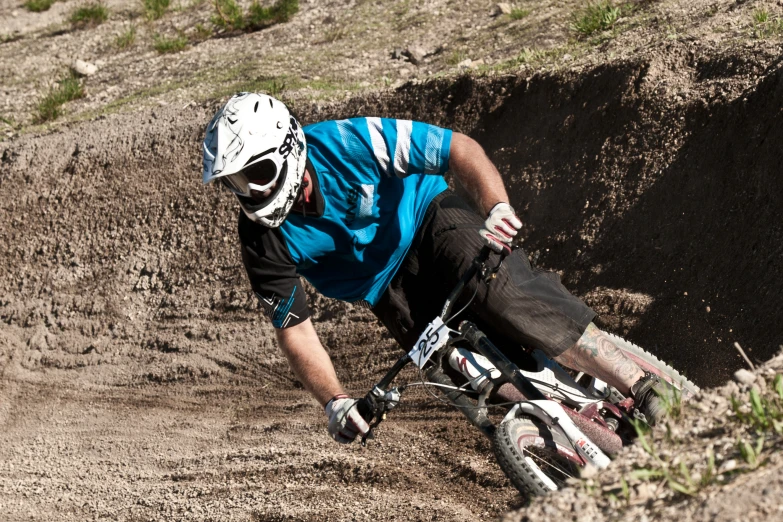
(140,381)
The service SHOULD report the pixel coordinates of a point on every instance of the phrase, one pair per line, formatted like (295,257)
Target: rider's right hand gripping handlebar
(375,405)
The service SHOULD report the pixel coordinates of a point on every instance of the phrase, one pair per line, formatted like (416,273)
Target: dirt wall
(654,205)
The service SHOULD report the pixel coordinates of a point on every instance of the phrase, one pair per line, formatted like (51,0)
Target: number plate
(433,339)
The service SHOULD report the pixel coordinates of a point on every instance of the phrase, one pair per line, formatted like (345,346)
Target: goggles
(255,181)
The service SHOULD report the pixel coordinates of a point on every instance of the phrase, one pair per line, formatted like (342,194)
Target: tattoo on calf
(594,350)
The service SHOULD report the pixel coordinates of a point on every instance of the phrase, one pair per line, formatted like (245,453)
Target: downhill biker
(360,208)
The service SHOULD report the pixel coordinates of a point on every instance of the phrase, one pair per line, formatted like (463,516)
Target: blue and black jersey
(376,178)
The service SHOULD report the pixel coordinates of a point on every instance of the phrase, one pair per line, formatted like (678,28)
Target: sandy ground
(138,378)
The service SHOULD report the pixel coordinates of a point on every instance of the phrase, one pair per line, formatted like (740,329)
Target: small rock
(416,55)
(567,57)
(727,466)
(83,68)
(502,8)
(744,376)
(396,54)
(464,64)
(404,72)
(588,472)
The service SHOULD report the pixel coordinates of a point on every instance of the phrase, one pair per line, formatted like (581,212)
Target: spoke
(566,474)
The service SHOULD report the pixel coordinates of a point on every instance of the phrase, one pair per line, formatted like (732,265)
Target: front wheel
(536,460)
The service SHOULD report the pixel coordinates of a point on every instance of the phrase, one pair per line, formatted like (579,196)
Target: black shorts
(522,307)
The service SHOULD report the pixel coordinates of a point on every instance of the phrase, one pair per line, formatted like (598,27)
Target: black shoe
(647,395)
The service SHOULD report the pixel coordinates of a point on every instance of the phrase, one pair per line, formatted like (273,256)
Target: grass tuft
(761,16)
(281,11)
(672,403)
(764,25)
(164,45)
(126,39)
(595,18)
(230,16)
(154,9)
(518,13)
(456,57)
(201,32)
(90,15)
(763,413)
(67,89)
(38,6)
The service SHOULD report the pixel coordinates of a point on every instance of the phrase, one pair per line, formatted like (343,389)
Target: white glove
(345,421)
(500,227)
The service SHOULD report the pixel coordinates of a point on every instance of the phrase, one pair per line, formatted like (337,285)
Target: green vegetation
(230,16)
(90,15)
(271,86)
(518,13)
(763,414)
(164,45)
(457,57)
(67,89)
(154,9)
(281,11)
(535,57)
(677,477)
(672,402)
(201,32)
(764,25)
(595,18)
(126,39)
(38,6)
(761,16)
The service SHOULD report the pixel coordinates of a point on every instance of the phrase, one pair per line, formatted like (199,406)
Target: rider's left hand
(500,227)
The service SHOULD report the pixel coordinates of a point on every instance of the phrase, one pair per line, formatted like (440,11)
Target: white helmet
(257,148)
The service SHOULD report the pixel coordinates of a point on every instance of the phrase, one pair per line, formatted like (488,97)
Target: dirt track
(140,381)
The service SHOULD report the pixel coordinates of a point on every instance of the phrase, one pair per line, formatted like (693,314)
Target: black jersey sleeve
(272,274)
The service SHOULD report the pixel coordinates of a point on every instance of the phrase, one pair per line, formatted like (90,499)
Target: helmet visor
(255,180)
(258,184)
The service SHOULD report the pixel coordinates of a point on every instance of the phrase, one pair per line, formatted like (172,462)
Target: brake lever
(370,434)
(488,274)
(375,405)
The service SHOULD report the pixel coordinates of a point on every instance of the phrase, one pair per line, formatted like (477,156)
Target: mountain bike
(552,422)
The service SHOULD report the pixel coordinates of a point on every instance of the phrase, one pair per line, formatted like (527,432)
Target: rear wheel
(652,364)
(536,459)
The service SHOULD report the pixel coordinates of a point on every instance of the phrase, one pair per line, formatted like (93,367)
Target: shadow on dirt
(679,203)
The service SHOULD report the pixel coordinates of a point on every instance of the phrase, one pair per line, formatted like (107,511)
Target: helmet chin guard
(252,128)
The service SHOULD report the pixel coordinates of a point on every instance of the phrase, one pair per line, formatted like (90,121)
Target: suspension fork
(484,346)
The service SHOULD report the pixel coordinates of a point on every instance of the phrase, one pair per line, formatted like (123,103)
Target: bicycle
(555,422)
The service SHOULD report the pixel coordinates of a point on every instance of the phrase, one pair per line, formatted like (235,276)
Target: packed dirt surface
(138,377)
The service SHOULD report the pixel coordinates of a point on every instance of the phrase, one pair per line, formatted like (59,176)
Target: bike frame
(533,402)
